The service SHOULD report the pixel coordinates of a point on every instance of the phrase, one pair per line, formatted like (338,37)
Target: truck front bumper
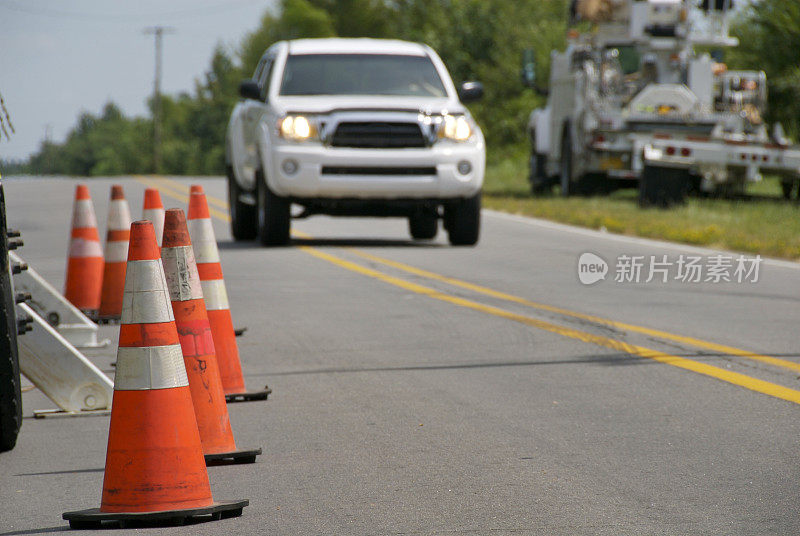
(443,171)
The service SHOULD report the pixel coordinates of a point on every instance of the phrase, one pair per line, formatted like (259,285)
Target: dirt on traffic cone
(216,299)
(84,277)
(155,469)
(194,332)
(117,237)
(153,211)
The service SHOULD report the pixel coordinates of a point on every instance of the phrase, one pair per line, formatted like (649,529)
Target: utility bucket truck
(632,100)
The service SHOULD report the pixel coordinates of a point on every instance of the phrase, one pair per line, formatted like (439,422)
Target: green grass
(765,225)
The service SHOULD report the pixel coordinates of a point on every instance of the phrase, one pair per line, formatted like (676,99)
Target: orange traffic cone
(197,344)
(154,211)
(117,236)
(84,277)
(216,298)
(198,189)
(155,469)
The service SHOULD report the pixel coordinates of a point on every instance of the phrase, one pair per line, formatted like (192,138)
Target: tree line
(477,39)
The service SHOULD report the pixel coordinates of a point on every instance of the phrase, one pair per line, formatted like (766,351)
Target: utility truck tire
(537,174)
(790,189)
(565,171)
(663,186)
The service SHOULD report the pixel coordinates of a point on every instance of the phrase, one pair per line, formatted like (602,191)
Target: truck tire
(463,221)
(10,393)
(790,189)
(572,184)
(537,175)
(243,216)
(423,226)
(274,215)
(565,169)
(663,186)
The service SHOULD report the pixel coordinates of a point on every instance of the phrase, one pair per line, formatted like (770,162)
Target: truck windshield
(361,74)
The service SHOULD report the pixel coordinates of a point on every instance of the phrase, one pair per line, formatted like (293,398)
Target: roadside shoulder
(605,235)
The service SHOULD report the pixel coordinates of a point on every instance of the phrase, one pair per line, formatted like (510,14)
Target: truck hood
(322,104)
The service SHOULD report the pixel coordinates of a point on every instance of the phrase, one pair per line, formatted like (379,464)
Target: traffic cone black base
(234,457)
(249,396)
(93,518)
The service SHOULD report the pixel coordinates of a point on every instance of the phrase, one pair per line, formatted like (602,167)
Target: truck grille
(418,171)
(378,135)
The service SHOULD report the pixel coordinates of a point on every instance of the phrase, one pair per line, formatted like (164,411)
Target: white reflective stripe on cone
(156,216)
(80,247)
(205,245)
(150,367)
(83,214)
(215,295)
(119,216)
(146,300)
(180,269)
(117,251)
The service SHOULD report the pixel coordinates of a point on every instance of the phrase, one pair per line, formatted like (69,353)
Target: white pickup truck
(354,127)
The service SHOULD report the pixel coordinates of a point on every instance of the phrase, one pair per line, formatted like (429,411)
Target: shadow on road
(615,360)
(74,471)
(338,242)
(36,531)
(366,243)
(233,244)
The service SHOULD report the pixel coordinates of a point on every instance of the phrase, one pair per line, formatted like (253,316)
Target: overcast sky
(58,58)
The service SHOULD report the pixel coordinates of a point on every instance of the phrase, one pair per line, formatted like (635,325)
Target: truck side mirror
(470,91)
(528,71)
(249,89)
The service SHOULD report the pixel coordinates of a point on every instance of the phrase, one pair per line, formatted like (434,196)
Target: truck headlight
(297,128)
(456,128)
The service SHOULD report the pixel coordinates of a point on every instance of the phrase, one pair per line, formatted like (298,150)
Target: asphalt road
(424,389)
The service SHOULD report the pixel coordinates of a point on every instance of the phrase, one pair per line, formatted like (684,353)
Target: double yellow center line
(179,191)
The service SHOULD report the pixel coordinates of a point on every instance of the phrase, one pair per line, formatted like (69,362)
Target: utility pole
(158,31)
(48,151)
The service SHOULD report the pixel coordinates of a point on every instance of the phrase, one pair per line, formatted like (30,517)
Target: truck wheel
(663,186)
(789,188)
(423,226)
(10,394)
(537,175)
(243,215)
(463,221)
(539,181)
(274,215)
(565,171)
